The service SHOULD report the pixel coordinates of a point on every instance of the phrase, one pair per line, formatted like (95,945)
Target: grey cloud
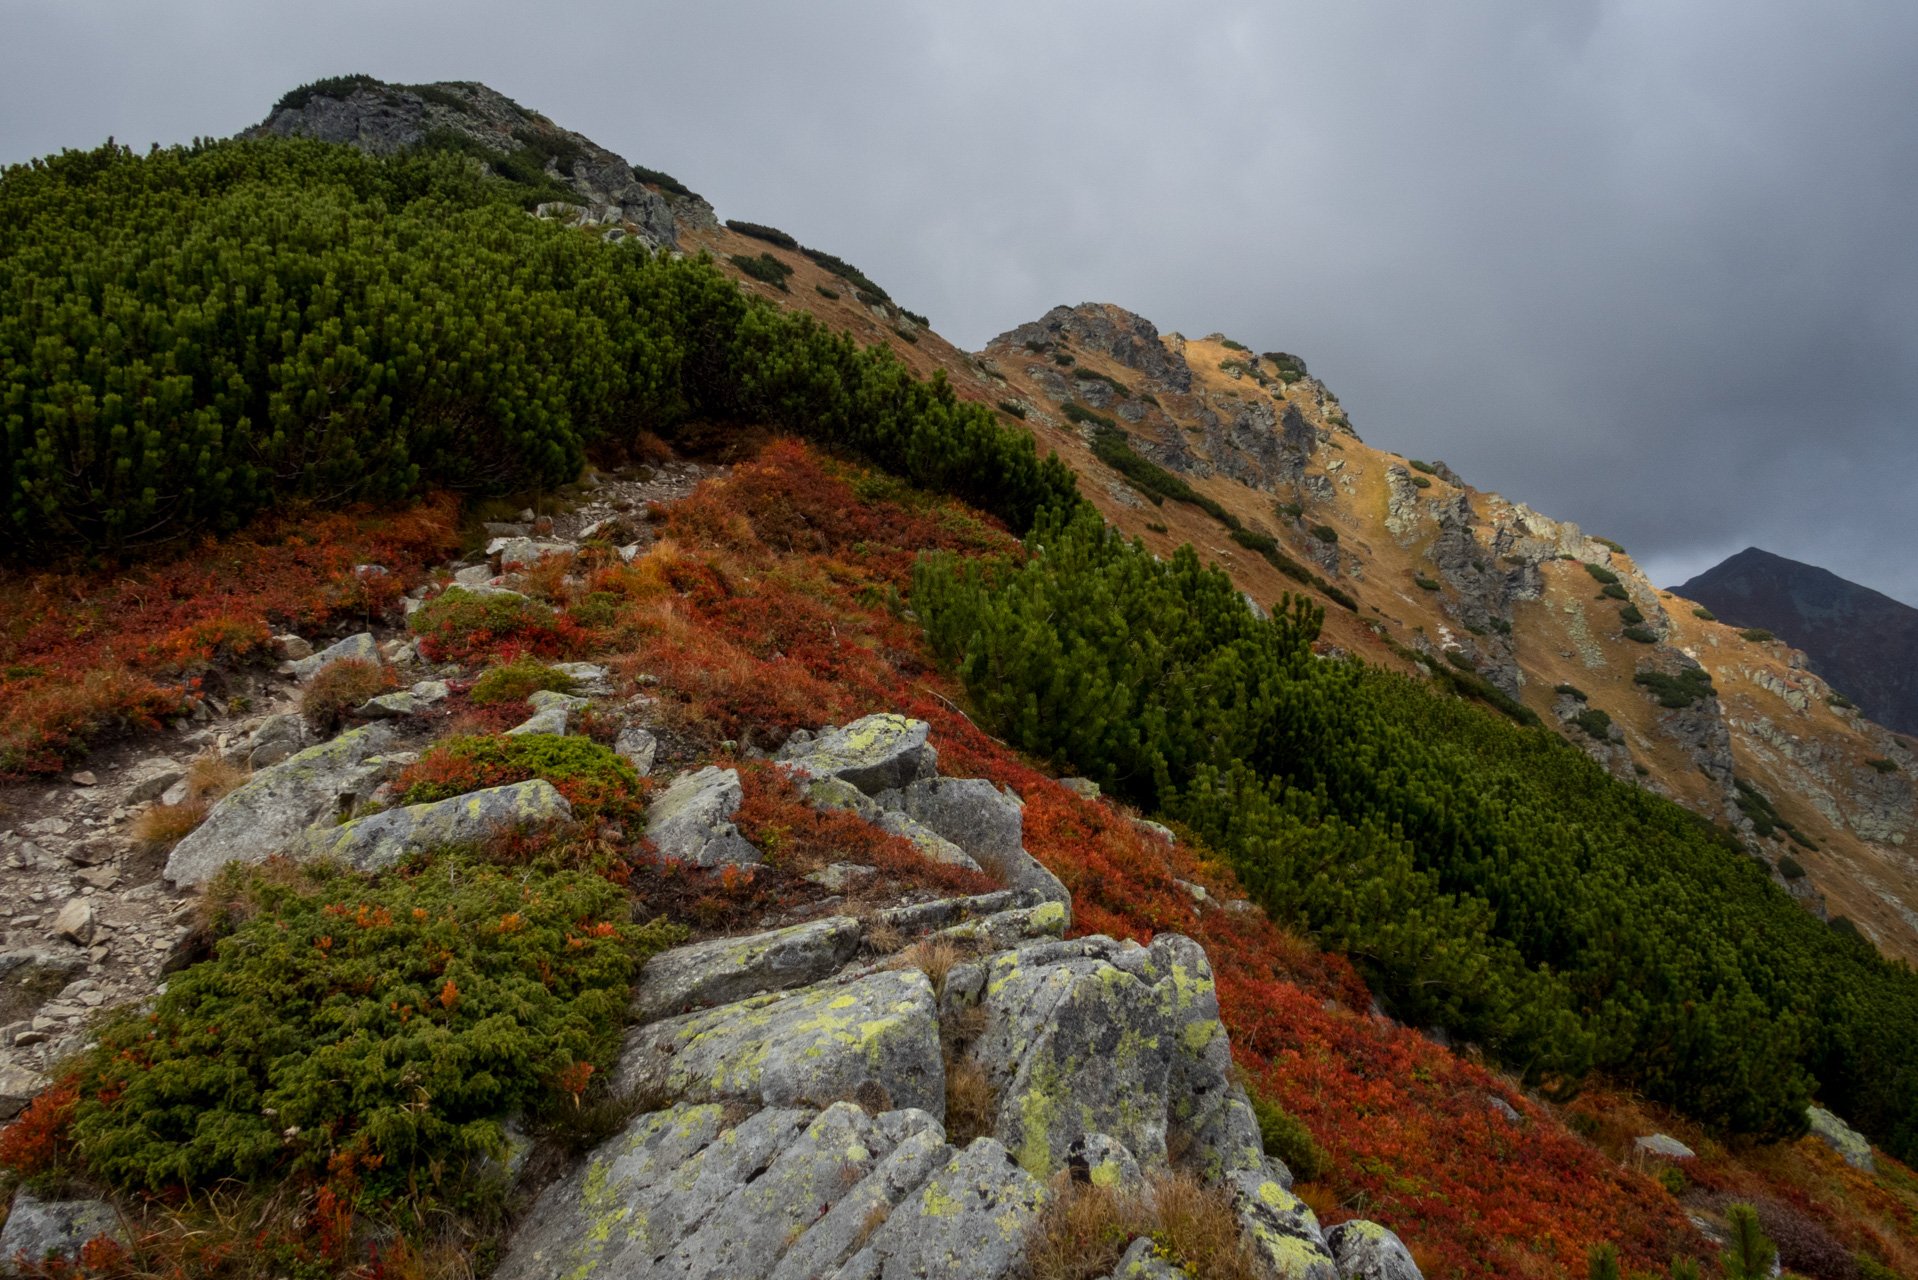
(1647,267)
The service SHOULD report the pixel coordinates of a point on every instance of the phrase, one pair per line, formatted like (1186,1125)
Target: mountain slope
(1863,642)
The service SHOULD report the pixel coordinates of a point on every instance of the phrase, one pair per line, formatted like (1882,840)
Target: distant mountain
(1864,643)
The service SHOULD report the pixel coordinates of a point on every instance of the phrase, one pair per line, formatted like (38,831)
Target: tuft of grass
(341,687)
(1086,1228)
(972,1110)
(165,825)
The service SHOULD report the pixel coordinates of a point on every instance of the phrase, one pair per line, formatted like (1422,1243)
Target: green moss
(1285,1136)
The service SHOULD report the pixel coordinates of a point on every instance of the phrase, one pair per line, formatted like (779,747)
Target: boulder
(552,699)
(1851,1145)
(875,753)
(42,1230)
(473,575)
(276,738)
(431,691)
(988,824)
(18,1087)
(291,647)
(1157,830)
(591,679)
(1102,1161)
(786,1193)
(270,812)
(799,1047)
(553,720)
(690,821)
(388,706)
(1084,788)
(1144,1260)
(1664,1146)
(723,970)
(75,922)
(922,917)
(525,553)
(841,876)
(968,1222)
(361,646)
(930,844)
(1090,1035)
(1366,1251)
(384,838)
(1282,1228)
(638,748)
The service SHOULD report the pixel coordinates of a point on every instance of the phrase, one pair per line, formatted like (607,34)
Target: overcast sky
(1648,266)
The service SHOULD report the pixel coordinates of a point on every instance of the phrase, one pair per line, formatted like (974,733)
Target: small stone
(101,877)
(75,922)
(1664,1146)
(57,1229)
(175,794)
(1367,1251)
(430,691)
(638,748)
(85,778)
(292,647)
(361,647)
(841,876)
(1084,788)
(1197,891)
(18,1086)
(1850,1144)
(388,706)
(553,720)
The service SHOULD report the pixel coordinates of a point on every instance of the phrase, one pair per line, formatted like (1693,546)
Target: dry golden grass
(1318,1197)
(1085,1230)
(209,777)
(883,939)
(971,1108)
(341,687)
(165,825)
(934,957)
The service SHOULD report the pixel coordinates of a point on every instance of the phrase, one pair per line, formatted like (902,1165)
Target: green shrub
(1609,545)
(664,181)
(764,268)
(1289,366)
(1883,765)
(1459,660)
(1571,691)
(1630,615)
(1325,533)
(514,682)
(596,608)
(1421,482)
(403,1017)
(916,318)
(1088,375)
(1425,583)
(1869,1268)
(1063,358)
(1289,510)
(1678,691)
(846,271)
(1702,613)
(460,626)
(1757,635)
(1426,467)
(1285,1137)
(1077,412)
(1601,1263)
(906,336)
(1673,1179)
(1016,410)
(337,87)
(1840,701)
(1595,723)
(1639,635)
(1613,591)
(1230,345)
(824,292)
(1748,1253)
(1602,574)
(1754,804)
(771,235)
(1790,868)
(595,782)
(1155,528)
(870,299)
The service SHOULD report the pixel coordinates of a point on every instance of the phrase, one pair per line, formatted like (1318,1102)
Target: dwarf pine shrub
(515,681)
(596,782)
(400,1018)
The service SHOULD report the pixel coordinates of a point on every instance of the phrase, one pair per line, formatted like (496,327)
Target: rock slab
(1367,1251)
(361,647)
(1852,1146)
(384,838)
(45,1229)
(272,811)
(724,970)
(691,821)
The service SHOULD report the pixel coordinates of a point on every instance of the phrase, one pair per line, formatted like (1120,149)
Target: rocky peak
(1131,340)
(382,118)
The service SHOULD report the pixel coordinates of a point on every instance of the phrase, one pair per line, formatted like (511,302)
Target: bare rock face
(1130,339)
(1367,1251)
(381,119)
(691,821)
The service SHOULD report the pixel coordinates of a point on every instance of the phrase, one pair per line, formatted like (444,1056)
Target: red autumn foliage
(85,652)
(37,1140)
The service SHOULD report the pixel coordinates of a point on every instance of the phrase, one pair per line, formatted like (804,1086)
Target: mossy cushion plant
(400,1020)
(595,782)
(515,681)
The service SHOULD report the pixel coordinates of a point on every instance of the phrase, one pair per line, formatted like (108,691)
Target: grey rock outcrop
(832,793)
(382,118)
(1282,1228)
(382,839)
(874,753)
(723,970)
(638,748)
(41,1230)
(800,1048)
(361,648)
(1129,339)
(1852,1146)
(272,810)
(1144,1260)
(986,823)
(1367,1251)
(970,1219)
(691,821)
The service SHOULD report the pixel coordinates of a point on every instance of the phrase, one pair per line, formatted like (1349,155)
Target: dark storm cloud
(1646,266)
